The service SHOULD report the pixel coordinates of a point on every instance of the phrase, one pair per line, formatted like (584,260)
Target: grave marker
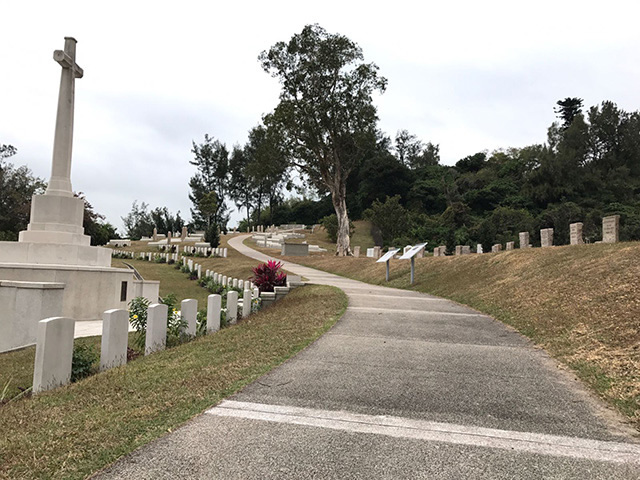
(115,337)
(576,233)
(611,229)
(246,303)
(546,237)
(214,304)
(54,351)
(189,313)
(156,338)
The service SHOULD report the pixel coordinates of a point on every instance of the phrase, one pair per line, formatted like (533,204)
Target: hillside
(580,303)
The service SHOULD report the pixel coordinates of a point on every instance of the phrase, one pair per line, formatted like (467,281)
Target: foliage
(210,184)
(326,115)
(389,217)
(84,361)
(176,324)
(17,186)
(138,222)
(267,275)
(138,319)
(330,224)
(212,235)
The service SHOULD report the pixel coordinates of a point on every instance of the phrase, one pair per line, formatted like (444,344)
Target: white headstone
(214,305)
(246,303)
(189,312)
(54,351)
(232,306)
(156,328)
(115,337)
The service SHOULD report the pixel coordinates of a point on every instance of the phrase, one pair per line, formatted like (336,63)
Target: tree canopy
(326,114)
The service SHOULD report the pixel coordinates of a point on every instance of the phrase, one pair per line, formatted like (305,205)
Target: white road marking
(429,312)
(424,299)
(398,427)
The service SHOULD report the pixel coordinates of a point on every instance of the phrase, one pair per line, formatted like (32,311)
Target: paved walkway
(406,385)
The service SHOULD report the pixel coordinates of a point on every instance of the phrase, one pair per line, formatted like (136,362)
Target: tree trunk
(339,198)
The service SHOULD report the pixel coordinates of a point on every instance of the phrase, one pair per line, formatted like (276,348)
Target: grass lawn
(78,429)
(581,303)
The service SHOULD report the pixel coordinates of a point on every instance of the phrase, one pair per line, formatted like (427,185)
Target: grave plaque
(458,249)
(546,237)
(496,248)
(611,229)
(479,248)
(466,250)
(576,234)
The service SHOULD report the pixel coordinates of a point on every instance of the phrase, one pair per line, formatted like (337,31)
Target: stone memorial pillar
(510,245)
(155,234)
(496,248)
(524,239)
(466,250)
(458,250)
(576,234)
(356,251)
(546,237)
(183,235)
(479,248)
(611,229)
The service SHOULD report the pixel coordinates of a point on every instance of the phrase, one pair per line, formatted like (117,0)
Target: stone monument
(546,237)
(524,239)
(611,229)
(54,248)
(576,233)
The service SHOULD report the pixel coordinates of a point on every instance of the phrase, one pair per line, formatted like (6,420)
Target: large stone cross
(60,183)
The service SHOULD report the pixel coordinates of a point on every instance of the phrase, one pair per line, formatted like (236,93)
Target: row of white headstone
(207,251)
(54,344)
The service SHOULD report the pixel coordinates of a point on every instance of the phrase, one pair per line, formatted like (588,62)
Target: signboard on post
(386,258)
(410,255)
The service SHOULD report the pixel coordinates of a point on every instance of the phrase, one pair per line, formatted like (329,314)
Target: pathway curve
(405,385)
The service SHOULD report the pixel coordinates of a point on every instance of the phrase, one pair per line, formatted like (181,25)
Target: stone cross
(60,183)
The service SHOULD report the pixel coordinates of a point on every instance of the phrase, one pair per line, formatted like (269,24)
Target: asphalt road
(406,385)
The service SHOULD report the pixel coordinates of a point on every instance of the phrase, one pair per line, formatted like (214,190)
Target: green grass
(77,429)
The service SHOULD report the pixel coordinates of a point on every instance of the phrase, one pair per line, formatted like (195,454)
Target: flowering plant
(267,276)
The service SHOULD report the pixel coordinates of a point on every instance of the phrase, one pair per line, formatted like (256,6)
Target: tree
(568,109)
(165,221)
(138,222)
(95,226)
(389,217)
(326,110)
(242,188)
(17,186)
(212,162)
(407,147)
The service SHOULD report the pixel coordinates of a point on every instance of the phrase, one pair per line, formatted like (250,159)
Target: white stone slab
(214,305)
(232,307)
(189,312)
(246,303)
(115,338)
(54,352)
(156,328)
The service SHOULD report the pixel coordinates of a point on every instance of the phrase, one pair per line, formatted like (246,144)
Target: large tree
(211,158)
(326,112)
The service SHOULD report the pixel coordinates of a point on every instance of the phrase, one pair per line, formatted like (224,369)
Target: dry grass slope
(581,303)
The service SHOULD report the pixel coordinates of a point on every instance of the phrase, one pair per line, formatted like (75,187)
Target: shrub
(212,235)
(84,360)
(267,276)
(330,224)
(138,320)
(160,260)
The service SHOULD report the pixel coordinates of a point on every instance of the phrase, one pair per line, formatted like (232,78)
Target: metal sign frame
(410,255)
(386,258)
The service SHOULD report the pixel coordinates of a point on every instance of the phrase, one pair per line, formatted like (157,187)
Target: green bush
(330,224)
(84,361)
(212,235)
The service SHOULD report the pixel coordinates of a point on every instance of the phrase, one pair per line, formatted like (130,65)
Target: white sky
(468,75)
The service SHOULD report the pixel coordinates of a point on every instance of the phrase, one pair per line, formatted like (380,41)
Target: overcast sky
(467,75)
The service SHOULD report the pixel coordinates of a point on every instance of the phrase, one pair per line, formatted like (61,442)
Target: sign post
(386,258)
(410,255)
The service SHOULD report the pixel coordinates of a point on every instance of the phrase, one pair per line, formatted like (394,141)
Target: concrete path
(406,385)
